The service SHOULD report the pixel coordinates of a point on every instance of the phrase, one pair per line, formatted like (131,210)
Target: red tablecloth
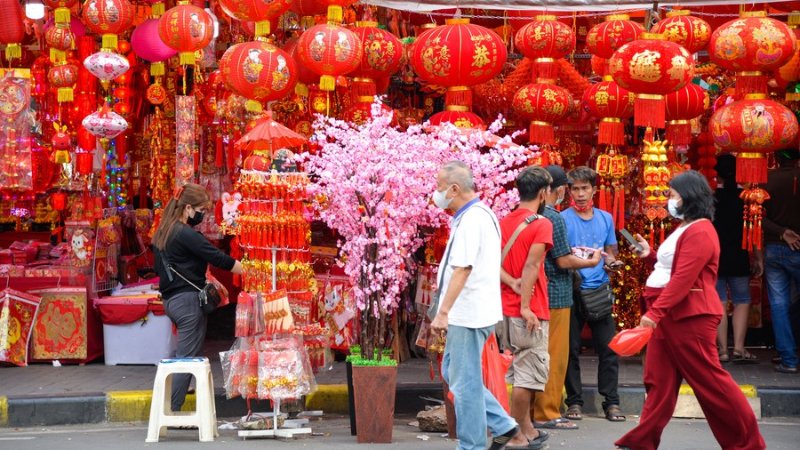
(123,310)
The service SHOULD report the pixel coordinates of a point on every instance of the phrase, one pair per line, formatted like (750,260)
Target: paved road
(595,434)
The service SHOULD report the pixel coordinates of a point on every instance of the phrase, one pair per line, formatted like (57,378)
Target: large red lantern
(750,128)
(606,37)
(304,74)
(108,18)
(611,104)
(186,29)
(383,53)
(460,116)
(329,51)
(651,67)
(258,11)
(681,28)
(683,105)
(60,39)
(259,71)
(751,45)
(63,77)
(544,40)
(543,104)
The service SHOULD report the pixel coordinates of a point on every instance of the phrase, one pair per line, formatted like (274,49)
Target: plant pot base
(374,393)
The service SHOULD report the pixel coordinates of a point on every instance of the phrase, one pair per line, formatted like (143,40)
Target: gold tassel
(110,41)
(62,156)
(158,10)
(57,56)
(253,106)
(62,15)
(301,89)
(65,95)
(327,83)
(335,14)
(262,28)
(157,69)
(13,51)
(794,18)
(187,58)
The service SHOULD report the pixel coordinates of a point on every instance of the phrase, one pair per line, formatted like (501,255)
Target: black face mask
(196,219)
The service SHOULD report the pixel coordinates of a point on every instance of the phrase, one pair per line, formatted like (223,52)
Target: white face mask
(672,207)
(440,199)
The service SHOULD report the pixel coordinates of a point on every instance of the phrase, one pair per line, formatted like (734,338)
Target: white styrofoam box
(140,343)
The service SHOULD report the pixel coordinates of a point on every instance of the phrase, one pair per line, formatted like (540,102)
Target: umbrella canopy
(268,135)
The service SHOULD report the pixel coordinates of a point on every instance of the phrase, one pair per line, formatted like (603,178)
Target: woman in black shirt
(189,253)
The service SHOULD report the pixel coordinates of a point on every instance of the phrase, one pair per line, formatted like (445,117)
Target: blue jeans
(739,290)
(782,268)
(461,369)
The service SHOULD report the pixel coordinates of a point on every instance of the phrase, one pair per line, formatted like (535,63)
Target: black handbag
(208,295)
(596,304)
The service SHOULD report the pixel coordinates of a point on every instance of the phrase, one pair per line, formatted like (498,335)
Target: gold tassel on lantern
(262,28)
(253,106)
(110,41)
(157,69)
(158,10)
(13,51)
(327,82)
(65,94)
(62,15)
(335,14)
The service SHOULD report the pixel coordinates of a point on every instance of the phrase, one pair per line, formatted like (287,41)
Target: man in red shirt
(526,309)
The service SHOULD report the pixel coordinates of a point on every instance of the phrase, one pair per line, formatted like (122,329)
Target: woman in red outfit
(684,310)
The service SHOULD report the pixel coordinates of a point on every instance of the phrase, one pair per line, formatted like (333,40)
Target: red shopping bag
(494,365)
(630,342)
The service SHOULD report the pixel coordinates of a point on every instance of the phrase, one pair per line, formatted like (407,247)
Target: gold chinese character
(644,67)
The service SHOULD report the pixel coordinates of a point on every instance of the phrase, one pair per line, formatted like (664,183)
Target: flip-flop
(556,424)
(543,436)
(744,358)
(614,414)
(574,412)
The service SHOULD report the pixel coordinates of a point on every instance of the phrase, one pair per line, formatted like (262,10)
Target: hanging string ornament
(750,46)
(611,104)
(544,40)
(656,184)
(108,18)
(612,168)
(186,29)
(753,214)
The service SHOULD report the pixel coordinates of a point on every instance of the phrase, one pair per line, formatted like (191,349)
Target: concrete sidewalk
(42,394)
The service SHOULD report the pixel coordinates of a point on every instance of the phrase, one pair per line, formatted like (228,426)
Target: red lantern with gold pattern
(606,37)
(63,77)
(751,45)
(186,29)
(460,116)
(543,104)
(456,55)
(108,18)
(383,53)
(681,28)
(750,128)
(544,40)
(611,104)
(259,11)
(651,67)
(682,106)
(60,39)
(259,71)
(329,51)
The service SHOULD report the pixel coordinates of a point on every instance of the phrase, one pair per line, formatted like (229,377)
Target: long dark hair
(698,199)
(190,194)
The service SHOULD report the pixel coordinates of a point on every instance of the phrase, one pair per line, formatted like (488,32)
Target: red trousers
(686,349)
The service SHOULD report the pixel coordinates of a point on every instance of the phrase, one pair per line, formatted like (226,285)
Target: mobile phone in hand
(631,240)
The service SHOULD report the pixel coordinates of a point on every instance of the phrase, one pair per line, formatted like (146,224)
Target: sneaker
(499,442)
(785,369)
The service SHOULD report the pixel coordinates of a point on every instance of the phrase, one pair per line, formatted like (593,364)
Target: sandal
(614,414)
(543,436)
(744,357)
(556,424)
(574,412)
(723,357)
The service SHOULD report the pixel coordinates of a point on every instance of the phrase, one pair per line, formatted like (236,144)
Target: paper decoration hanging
(17,314)
(185,118)
(15,147)
(105,124)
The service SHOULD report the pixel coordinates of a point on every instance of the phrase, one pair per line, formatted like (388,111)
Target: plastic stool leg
(154,427)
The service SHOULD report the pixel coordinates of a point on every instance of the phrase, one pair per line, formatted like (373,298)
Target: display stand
(290,429)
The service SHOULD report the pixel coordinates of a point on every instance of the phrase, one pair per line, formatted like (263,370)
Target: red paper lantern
(750,128)
(751,45)
(12,28)
(304,74)
(611,104)
(382,55)
(329,51)
(84,162)
(606,37)
(544,40)
(186,29)
(456,55)
(543,104)
(259,11)
(259,71)
(63,77)
(681,28)
(60,38)
(108,18)
(651,67)
(460,116)
(683,105)
(599,65)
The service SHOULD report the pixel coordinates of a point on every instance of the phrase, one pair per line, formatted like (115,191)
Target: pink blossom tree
(373,183)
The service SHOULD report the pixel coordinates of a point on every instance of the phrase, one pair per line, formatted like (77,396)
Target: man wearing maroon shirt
(526,309)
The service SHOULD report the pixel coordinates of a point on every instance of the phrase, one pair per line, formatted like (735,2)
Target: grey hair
(458,173)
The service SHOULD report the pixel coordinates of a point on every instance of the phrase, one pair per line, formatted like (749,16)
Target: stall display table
(135,329)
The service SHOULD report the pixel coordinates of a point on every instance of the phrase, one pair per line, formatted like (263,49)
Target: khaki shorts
(531,362)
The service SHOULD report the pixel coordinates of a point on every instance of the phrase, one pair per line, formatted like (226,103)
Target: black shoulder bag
(208,294)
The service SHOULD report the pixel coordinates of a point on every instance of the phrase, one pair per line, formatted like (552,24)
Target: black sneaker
(785,369)
(499,442)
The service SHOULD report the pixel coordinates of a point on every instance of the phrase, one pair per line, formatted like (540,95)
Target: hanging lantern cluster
(186,29)
(544,40)
(682,106)
(259,71)
(651,67)
(684,29)
(750,46)
(611,104)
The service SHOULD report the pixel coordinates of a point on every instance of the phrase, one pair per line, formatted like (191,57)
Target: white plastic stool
(205,415)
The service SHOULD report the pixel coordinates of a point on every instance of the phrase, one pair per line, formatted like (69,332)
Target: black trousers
(608,367)
(184,311)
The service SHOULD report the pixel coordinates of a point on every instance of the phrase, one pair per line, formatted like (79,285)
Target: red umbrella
(268,135)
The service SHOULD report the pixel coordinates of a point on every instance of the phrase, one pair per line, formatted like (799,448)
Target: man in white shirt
(468,307)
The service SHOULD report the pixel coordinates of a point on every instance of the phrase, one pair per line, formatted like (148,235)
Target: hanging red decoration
(682,106)
(750,128)
(459,116)
(545,40)
(63,77)
(336,9)
(59,201)
(61,9)
(12,28)
(681,28)
(106,66)
(606,37)
(62,143)
(329,51)
(543,104)
(611,104)
(186,29)
(750,46)
(259,11)
(305,8)
(382,55)
(361,111)
(599,65)
(651,67)
(259,71)
(60,39)
(108,18)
